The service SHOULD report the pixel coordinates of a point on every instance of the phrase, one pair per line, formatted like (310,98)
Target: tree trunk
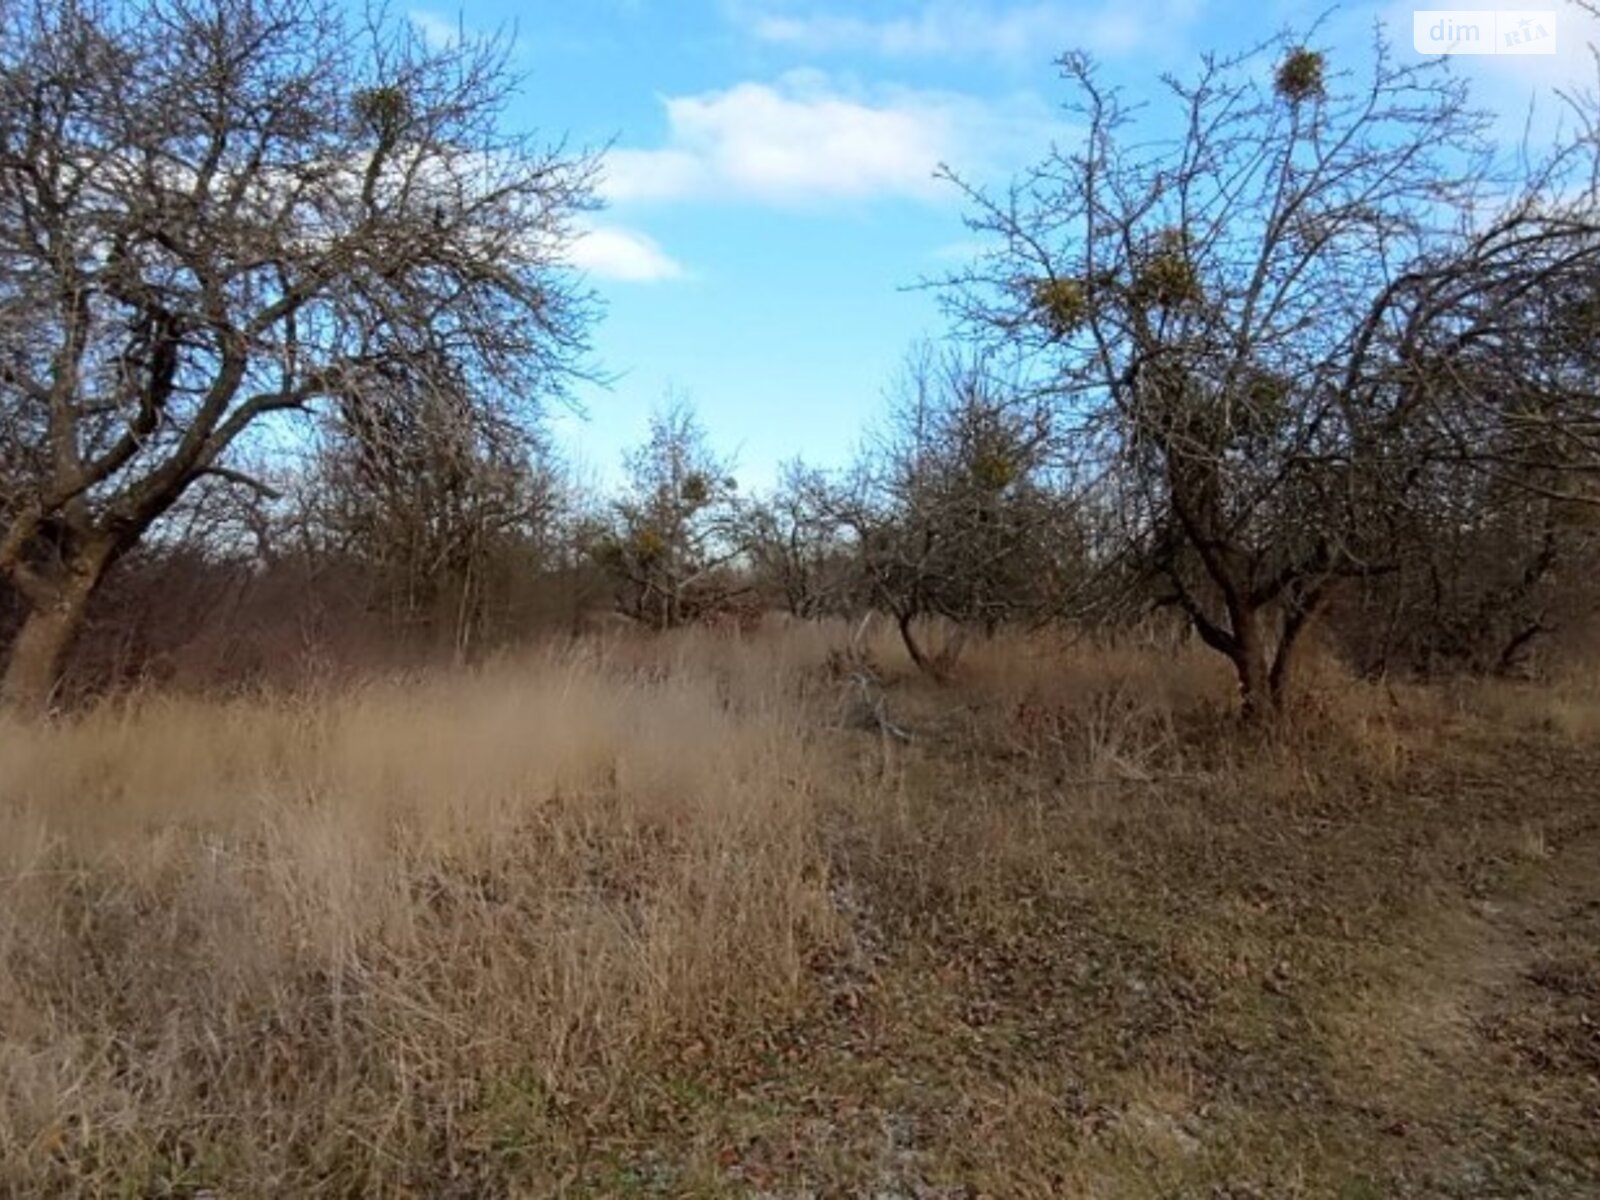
(909,637)
(33,668)
(941,662)
(1285,667)
(1286,662)
(1252,664)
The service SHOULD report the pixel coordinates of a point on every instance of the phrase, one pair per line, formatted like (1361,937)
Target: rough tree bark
(56,606)
(36,655)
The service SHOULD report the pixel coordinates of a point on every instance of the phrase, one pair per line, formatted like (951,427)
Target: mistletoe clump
(1299,76)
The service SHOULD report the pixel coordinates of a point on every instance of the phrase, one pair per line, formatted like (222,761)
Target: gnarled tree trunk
(1265,655)
(55,615)
(1268,668)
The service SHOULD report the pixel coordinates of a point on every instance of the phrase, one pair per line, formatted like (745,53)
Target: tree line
(283,302)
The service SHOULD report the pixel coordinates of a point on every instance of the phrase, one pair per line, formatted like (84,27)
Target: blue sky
(771,205)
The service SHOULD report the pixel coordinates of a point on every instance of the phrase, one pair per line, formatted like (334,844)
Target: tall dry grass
(454,934)
(391,937)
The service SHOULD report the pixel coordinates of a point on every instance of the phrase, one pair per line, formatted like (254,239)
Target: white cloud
(652,174)
(952,28)
(962,251)
(611,252)
(437,30)
(804,139)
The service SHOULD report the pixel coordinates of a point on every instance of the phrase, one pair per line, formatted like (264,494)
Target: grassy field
(655,918)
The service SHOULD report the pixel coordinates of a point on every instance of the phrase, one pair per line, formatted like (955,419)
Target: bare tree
(1485,570)
(444,501)
(1493,344)
(216,215)
(1500,340)
(1215,311)
(952,508)
(674,533)
(795,541)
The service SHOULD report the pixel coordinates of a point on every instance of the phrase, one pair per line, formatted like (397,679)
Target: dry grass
(365,939)
(1567,706)
(640,918)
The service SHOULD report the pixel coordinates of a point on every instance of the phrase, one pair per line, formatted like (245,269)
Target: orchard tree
(1214,301)
(675,530)
(1496,343)
(1485,571)
(795,541)
(952,507)
(444,501)
(216,218)
(1500,339)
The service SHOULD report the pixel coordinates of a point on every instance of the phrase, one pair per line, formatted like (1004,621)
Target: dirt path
(1515,1045)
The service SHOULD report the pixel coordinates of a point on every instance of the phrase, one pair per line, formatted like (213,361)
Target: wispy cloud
(962,251)
(804,139)
(625,255)
(439,31)
(948,28)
